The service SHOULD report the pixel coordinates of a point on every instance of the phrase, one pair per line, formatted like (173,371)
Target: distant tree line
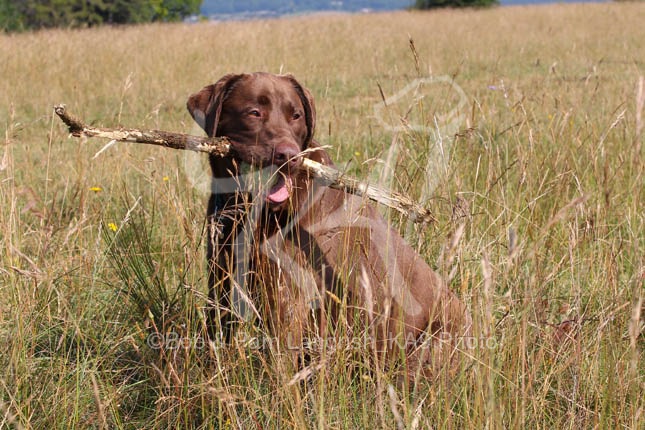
(16,15)
(436,4)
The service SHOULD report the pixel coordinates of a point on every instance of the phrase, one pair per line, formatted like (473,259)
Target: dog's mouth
(281,190)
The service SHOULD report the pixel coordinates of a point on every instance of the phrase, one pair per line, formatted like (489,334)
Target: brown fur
(322,246)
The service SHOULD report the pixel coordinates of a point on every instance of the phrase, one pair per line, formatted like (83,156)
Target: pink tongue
(280,191)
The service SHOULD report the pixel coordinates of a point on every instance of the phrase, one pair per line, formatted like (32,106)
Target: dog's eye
(256,113)
(296,115)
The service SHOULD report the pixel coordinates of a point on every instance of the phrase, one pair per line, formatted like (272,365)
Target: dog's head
(269,119)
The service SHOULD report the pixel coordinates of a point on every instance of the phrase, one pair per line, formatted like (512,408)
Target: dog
(312,256)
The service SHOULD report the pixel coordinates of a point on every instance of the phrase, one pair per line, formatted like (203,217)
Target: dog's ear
(205,106)
(310,108)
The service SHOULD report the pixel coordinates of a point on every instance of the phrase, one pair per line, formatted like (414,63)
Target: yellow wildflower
(166,178)
(112,226)
(96,189)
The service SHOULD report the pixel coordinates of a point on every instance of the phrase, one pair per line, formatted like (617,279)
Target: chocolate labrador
(302,257)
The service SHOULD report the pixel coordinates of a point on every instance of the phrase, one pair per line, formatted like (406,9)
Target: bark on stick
(220,146)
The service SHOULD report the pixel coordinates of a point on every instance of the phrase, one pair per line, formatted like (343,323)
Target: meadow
(538,194)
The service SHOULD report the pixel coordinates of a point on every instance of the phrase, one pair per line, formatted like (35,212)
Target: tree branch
(220,146)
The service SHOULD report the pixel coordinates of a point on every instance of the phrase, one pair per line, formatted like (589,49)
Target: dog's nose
(287,155)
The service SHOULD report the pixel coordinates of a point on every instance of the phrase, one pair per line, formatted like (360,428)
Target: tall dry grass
(542,196)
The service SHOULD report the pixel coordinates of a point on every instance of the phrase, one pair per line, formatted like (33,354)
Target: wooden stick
(220,146)
(217,146)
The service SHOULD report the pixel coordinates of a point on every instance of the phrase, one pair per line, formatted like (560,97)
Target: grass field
(545,174)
